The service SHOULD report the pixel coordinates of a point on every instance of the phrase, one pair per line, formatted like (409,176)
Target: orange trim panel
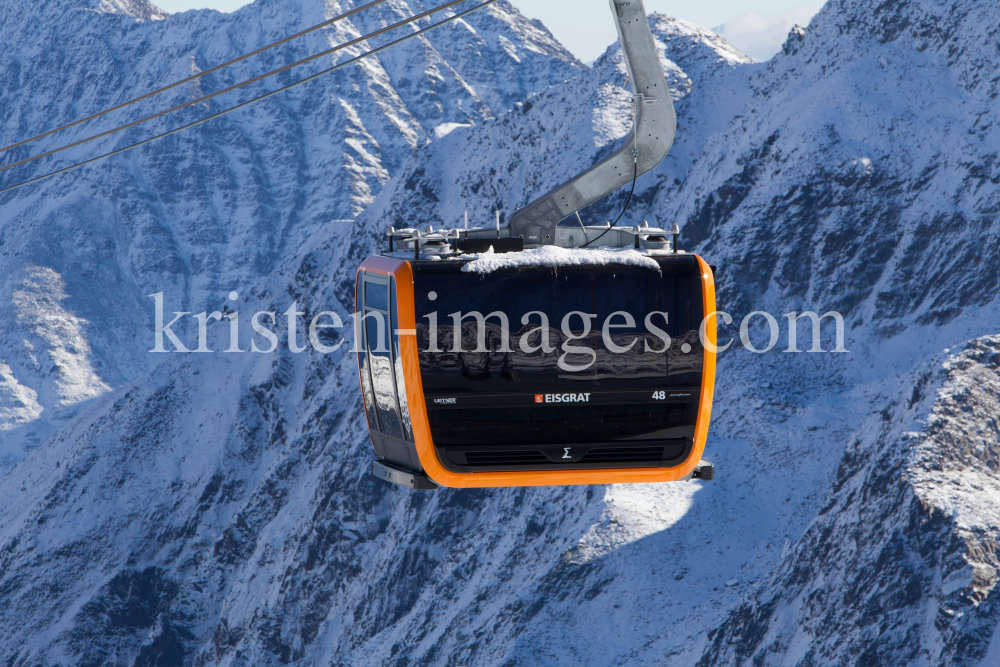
(406,316)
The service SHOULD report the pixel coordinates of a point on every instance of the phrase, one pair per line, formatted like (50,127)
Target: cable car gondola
(547,352)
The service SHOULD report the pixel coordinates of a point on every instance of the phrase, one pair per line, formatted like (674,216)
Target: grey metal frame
(643,149)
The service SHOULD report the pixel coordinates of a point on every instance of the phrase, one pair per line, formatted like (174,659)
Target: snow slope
(218,509)
(216,208)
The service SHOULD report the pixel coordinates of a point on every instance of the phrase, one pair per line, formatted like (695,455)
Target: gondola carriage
(547,352)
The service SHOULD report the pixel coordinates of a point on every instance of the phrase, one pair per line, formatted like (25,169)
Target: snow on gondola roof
(553,256)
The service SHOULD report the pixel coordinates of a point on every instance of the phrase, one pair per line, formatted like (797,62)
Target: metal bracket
(410,480)
(704,471)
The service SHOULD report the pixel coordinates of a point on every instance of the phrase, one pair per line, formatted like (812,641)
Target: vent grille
(623,455)
(479,459)
(598,457)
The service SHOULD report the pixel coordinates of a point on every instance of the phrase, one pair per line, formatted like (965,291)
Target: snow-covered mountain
(216,509)
(216,208)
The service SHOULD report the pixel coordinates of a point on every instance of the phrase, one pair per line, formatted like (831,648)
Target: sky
(756,27)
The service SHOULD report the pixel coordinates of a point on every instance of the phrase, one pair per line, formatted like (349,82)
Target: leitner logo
(446,401)
(564,398)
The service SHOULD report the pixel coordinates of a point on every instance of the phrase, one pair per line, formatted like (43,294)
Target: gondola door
(381,371)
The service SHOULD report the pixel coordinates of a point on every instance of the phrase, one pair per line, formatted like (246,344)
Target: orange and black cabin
(488,403)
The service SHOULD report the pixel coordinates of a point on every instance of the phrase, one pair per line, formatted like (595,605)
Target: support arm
(656,125)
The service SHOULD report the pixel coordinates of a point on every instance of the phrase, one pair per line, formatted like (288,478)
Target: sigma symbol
(566,455)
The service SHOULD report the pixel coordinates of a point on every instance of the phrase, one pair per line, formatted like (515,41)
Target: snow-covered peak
(142,10)
(686,42)
(694,49)
(139,9)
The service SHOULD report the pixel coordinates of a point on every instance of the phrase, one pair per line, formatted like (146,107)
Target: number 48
(659,395)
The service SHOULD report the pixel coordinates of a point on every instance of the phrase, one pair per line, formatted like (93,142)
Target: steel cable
(235,86)
(196,76)
(251,101)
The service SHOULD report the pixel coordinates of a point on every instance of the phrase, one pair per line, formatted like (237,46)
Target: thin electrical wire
(235,86)
(635,175)
(635,172)
(256,99)
(197,76)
